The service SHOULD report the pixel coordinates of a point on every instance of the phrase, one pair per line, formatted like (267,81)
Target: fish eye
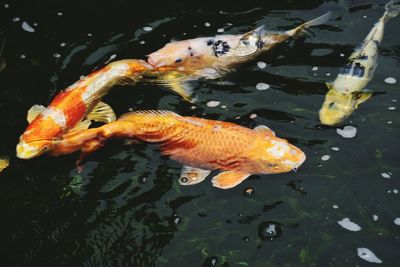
(178,60)
(184,180)
(331,104)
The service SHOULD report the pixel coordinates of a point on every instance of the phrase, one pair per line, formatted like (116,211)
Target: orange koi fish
(75,107)
(201,145)
(210,57)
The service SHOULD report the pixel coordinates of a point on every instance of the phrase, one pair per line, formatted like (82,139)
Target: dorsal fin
(34,111)
(102,112)
(147,112)
(264,129)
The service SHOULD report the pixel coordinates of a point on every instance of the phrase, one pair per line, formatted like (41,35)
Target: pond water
(127,208)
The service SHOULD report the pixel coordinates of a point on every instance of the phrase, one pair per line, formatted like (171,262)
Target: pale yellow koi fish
(348,89)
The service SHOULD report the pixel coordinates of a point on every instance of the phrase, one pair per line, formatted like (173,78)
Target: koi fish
(347,91)
(201,145)
(210,57)
(75,108)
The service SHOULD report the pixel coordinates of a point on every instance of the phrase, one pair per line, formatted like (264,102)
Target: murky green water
(127,209)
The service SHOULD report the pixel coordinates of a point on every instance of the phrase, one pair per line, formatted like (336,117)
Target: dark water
(127,208)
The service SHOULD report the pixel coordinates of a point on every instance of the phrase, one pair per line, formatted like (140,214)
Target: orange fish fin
(102,112)
(34,111)
(264,130)
(192,175)
(128,116)
(229,179)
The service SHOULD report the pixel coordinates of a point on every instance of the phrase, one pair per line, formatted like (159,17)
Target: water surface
(127,209)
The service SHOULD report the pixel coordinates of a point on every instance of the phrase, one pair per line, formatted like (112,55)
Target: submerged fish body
(209,57)
(70,107)
(347,91)
(201,145)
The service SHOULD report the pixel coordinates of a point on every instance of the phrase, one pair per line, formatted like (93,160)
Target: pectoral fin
(362,97)
(34,111)
(229,179)
(182,88)
(329,85)
(191,175)
(264,130)
(83,125)
(102,113)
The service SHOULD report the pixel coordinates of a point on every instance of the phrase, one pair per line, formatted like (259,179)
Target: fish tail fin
(317,21)
(392,9)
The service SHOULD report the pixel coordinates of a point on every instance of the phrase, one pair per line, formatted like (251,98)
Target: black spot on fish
(220,48)
(178,60)
(331,105)
(210,42)
(189,48)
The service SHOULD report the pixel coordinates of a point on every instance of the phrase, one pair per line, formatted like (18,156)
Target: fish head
(172,54)
(278,155)
(33,149)
(39,137)
(336,107)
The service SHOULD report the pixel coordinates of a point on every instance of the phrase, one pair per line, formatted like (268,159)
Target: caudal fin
(392,9)
(317,21)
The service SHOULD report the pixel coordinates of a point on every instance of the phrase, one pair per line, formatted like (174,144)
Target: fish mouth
(29,150)
(153,62)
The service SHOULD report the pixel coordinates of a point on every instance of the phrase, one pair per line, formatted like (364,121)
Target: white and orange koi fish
(201,145)
(75,108)
(348,89)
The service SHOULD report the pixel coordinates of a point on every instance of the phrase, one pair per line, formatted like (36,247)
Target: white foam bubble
(56,55)
(368,255)
(390,80)
(335,206)
(252,116)
(349,225)
(325,157)
(147,28)
(63,44)
(341,54)
(386,175)
(395,191)
(142,42)
(397,221)
(207,24)
(391,108)
(59,13)
(213,103)
(220,30)
(261,64)
(335,148)
(375,217)
(262,86)
(15,19)
(347,132)
(26,27)
(315,68)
